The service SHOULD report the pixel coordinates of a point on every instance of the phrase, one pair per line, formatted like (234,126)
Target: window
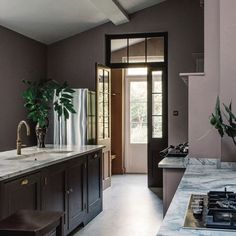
(145,48)
(157,104)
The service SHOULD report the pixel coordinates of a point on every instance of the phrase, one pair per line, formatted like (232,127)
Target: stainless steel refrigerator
(80,128)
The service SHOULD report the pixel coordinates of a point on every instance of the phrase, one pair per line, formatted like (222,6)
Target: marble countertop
(173,162)
(201,176)
(183,162)
(33,158)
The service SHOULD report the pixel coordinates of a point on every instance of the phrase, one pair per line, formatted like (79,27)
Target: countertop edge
(173,163)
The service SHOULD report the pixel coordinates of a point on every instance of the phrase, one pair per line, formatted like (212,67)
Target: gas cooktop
(216,210)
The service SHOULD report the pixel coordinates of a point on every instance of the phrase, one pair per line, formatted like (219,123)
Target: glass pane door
(157,123)
(138,112)
(103,104)
(136,124)
(103,78)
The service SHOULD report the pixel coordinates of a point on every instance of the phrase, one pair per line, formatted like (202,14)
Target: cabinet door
(53,193)
(77,192)
(94,172)
(22,193)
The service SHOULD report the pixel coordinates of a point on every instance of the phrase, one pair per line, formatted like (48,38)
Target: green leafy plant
(39,96)
(224,127)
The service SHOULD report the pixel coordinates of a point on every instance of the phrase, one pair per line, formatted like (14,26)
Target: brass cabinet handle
(95,156)
(24,182)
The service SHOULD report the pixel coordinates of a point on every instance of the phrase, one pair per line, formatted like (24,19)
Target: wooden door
(22,193)
(53,191)
(157,123)
(103,88)
(94,173)
(77,192)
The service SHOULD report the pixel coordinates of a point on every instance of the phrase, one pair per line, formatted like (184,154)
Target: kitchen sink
(39,156)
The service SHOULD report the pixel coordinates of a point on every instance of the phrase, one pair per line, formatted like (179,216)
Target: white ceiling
(48,21)
(132,6)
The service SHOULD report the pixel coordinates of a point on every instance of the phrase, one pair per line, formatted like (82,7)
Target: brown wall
(21,58)
(74,59)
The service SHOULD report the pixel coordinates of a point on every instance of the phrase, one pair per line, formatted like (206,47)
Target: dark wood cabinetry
(77,192)
(73,187)
(22,193)
(94,173)
(53,189)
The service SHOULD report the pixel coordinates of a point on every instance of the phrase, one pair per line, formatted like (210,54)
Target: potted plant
(224,126)
(39,99)
(225,122)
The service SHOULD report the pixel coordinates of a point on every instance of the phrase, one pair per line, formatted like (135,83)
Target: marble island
(34,158)
(200,177)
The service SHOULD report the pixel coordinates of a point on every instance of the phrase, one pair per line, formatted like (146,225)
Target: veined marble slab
(183,162)
(34,158)
(173,163)
(200,177)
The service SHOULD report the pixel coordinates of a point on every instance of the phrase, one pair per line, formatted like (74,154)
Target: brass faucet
(18,140)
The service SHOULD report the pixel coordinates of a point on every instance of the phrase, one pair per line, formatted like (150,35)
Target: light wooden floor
(130,209)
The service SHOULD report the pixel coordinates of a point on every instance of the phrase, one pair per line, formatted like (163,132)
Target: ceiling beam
(112,10)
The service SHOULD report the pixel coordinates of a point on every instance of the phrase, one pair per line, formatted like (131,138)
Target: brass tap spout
(18,140)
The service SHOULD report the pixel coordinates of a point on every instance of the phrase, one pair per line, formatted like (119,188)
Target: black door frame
(155,174)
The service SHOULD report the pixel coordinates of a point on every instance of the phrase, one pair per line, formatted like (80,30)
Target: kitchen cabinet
(94,173)
(77,192)
(171,180)
(53,189)
(73,186)
(21,193)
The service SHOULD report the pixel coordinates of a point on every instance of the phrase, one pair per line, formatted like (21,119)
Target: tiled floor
(130,209)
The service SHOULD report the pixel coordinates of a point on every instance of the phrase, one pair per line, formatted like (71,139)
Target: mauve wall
(219,79)
(74,59)
(228,68)
(204,141)
(21,58)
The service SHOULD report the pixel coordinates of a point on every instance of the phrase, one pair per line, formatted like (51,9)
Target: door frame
(152,166)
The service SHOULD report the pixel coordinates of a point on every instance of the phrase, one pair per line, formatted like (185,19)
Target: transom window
(145,48)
